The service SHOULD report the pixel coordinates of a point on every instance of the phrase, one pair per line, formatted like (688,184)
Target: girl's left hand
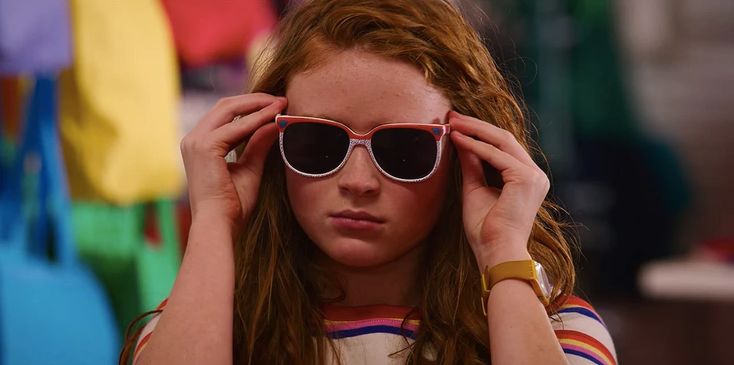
(497,222)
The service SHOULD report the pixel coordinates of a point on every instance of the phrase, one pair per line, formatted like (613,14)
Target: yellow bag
(119,103)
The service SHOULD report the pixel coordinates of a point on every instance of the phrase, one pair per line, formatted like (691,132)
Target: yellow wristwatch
(526,270)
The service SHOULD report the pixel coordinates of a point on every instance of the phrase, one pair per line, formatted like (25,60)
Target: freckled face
(362,90)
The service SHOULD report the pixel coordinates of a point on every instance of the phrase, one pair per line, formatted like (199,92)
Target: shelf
(687,279)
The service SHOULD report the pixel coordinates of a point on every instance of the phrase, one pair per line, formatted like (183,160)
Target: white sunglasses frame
(439,131)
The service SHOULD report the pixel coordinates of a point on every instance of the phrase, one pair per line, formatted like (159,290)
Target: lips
(358,215)
(354,220)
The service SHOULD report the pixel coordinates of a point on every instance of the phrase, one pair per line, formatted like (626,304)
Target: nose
(359,176)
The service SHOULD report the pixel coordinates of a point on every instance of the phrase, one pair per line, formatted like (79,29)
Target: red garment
(217,30)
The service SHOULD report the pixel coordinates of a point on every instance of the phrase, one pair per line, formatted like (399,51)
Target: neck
(392,283)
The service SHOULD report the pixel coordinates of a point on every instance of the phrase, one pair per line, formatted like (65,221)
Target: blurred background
(631,102)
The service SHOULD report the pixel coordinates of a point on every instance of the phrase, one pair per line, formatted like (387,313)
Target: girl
(357,226)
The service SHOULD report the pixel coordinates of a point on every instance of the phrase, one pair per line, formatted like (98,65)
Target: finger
(471,169)
(252,160)
(485,151)
(258,146)
(489,133)
(232,134)
(228,108)
(512,170)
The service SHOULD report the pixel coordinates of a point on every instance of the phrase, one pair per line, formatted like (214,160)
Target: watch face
(543,282)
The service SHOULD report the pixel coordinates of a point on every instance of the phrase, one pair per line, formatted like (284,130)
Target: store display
(48,299)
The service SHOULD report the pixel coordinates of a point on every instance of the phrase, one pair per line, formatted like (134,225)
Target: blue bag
(52,309)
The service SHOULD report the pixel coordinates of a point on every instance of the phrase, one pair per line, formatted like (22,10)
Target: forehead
(363,90)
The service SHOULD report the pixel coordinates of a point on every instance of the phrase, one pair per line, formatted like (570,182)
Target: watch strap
(520,270)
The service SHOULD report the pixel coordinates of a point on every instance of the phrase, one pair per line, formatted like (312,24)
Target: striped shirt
(376,334)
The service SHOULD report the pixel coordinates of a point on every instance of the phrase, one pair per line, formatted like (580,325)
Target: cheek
(438,191)
(437,185)
(308,198)
(298,191)
(427,200)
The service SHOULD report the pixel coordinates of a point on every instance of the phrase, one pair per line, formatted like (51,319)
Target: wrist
(528,271)
(497,254)
(213,223)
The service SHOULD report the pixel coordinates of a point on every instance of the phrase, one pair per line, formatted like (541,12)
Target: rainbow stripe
(345,322)
(346,329)
(582,307)
(583,345)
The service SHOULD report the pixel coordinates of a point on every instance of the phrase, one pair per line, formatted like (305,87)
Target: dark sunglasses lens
(314,148)
(405,153)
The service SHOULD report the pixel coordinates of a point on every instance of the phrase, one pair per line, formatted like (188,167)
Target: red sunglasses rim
(438,131)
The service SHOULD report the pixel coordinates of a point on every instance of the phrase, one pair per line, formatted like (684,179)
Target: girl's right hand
(229,190)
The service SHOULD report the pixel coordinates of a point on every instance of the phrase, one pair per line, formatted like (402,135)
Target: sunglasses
(316,147)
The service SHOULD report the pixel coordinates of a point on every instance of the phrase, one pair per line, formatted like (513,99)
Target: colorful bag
(119,104)
(138,268)
(159,259)
(34,36)
(52,310)
(9,124)
(11,91)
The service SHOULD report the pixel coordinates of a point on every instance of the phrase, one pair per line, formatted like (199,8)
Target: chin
(363,254)
(356,253)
